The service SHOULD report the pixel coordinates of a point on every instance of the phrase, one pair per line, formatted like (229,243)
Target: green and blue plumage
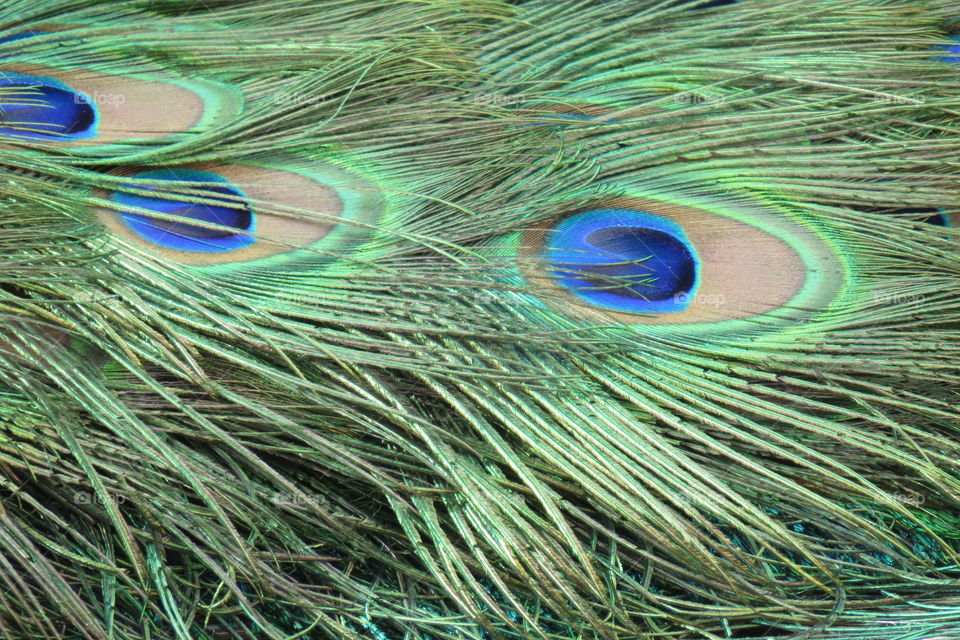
(478,320)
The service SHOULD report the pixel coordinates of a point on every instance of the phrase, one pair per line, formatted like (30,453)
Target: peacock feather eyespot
(687,262)
(92,110)
(625,260)
(44,108)
(40,107)
(245,214)
(235,218)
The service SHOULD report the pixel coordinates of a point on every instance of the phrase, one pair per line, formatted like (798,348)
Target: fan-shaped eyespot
(657,262)
(85,108)
(238,214)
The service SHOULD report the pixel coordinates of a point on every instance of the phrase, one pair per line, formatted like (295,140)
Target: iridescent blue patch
(20,36)
(953,51)
(42,108)
(184,236)
(625,260)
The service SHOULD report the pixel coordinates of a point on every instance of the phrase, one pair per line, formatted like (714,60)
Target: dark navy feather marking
(706,5)
(933,217)
(43,108)
(183,235)
(625,260)
(938,219)
(715,3)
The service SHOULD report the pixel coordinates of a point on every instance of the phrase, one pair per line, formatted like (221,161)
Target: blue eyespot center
(235,218)
(953,51)
(42,108)
(625,260)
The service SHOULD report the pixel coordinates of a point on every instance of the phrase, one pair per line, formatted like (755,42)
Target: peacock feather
(479,320)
